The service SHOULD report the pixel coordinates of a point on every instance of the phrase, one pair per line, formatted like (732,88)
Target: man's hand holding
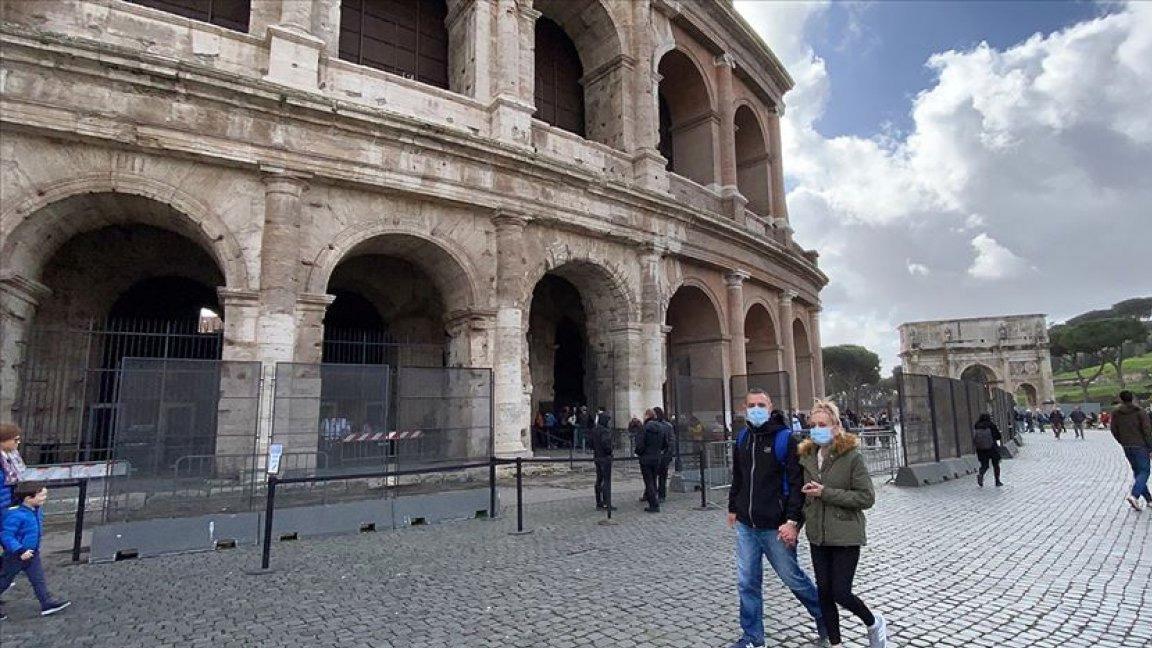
(788,533)
(731,520)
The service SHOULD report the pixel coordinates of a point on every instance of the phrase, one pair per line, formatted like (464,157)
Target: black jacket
(601,438)
(671,440)
(757,492)
(652,444)
(996,436)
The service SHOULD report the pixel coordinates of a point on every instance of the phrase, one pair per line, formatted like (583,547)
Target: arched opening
(559,94)
(155,298)
(687,120)
(1026,396)
(762,349)
(805,388)
(230,14)
(752,162)
(694,392)
(979,373)
(404,37)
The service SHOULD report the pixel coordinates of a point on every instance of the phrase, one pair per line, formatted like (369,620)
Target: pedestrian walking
(550,429)
(11,465)
(584,424)
(1029,421)
(1056,418)
(670,454)
(650,448)
(986,439)
(838,490)
(601,438)
(1133,431)
(1078,417)
(20,536)
(765,505)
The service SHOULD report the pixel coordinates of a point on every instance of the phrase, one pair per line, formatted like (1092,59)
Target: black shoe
(999,483)
(652,509)
(53,608)
(980,480)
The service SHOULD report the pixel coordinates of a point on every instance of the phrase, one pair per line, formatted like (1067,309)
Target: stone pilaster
(279,264)
(648,166)
(513,76)
(470,48)
(513,412)
(469,335)
(817,353)
(19,297)
(294,51)
(789,343)
(738,358)
(310,311)
(241,318)
(725,65)
(653,334)
(779,204)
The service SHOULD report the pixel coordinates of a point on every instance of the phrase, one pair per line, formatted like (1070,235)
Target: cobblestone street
(1053,559)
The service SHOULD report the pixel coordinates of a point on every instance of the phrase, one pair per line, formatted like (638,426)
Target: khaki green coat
(837,517)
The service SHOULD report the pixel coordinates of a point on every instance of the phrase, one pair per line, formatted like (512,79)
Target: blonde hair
(829,407)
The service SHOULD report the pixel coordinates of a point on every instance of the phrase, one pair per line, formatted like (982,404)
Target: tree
(848,367)
(1082,343)
(1140,308)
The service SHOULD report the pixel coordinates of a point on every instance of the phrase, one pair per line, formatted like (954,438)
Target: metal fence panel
(444,416)
(916,418)
(187,430)
(945,421)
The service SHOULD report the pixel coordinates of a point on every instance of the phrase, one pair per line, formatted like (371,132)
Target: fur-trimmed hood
(844,443)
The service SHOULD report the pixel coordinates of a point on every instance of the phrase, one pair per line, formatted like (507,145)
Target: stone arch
(595,275)
(762,349)
(805,364)
(38,225)
(979,372)
(445,259)
(687,117)
(713,299)
(599,43)
(1027,395)
(753,169)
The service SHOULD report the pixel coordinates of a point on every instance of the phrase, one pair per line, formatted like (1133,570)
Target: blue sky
(965,159)
(876,51)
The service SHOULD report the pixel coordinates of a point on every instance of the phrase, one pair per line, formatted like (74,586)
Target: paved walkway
(1055,559)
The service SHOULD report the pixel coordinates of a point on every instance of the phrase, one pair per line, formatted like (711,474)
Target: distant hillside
(1137,371)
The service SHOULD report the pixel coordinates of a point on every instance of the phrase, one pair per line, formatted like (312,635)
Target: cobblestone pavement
(1053,559)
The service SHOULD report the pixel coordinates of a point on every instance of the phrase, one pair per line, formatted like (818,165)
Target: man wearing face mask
(765,504)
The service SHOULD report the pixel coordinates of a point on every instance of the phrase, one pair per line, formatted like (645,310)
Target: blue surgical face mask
(757,416)
(821,435)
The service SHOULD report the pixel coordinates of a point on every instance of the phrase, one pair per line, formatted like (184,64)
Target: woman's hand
(813,489)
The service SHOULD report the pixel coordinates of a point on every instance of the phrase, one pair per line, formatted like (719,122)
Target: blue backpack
(779,448)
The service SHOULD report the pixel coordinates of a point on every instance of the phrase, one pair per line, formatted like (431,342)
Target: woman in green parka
(838,490)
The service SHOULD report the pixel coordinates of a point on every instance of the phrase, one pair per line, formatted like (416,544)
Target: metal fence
(937,415)
(187,430)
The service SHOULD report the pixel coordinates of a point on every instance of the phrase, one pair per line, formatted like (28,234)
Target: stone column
(789,343)
(817,353)
(779,205)
(19,297)
(513,76)
(241,317)
(279,263)
(469,332)
(653,336)
(470,48)
(310,311)
(293,49)
(648,166)
(737,359)
(513,416)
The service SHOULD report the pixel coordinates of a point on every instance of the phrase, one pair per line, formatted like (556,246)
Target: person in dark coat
(671,443)
(1078,417)
(651,446)
(986,439)
(601,438)
(1056,418)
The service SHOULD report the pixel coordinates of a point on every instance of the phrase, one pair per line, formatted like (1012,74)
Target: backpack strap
(780,448)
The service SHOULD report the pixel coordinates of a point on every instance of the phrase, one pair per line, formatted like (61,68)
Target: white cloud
(1022,163)
(994,261)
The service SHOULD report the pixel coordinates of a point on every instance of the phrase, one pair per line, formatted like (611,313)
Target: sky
(963,159)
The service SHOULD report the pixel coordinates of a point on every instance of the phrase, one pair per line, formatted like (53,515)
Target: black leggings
(835,568)
(989,456)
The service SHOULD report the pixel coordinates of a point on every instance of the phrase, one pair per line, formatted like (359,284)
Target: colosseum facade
(507,184)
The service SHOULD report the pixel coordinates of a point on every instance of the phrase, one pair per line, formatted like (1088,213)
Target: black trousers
(651,472)
(662,482)
(835,569)
(989,457)
(603,472)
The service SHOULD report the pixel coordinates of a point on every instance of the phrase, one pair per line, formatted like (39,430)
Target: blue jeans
(1141,466)
(752,545)
(12,566)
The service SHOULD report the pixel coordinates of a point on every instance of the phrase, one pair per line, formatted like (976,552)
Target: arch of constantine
(585,196)
(1010,353)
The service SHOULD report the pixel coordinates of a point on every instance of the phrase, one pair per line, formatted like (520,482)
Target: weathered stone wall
(288,169)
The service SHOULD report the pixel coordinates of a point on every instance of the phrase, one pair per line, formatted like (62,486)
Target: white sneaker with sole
(1134,503)
(878,632)
(53,608)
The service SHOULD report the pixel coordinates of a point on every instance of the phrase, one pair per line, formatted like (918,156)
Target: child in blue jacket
(21,539)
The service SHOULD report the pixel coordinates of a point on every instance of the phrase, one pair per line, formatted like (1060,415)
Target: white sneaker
(1134,503)
(878,632)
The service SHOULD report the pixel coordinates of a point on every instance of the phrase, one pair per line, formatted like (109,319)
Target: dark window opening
(665,145)
(404,37)
(230,14)
(559,94)
(568,368)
